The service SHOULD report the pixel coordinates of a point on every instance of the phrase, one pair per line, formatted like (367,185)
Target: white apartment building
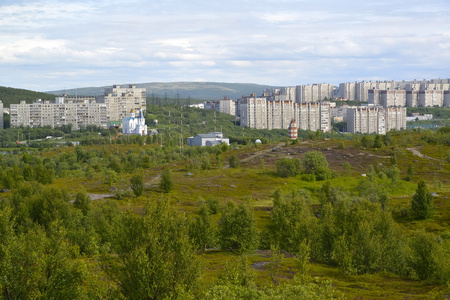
(261,113)
(121,101)
(314,93)
(387,98)
(253,111)
(227,106)
(429,98)
(79,111)
(375,119)
(417,92)
(446,99)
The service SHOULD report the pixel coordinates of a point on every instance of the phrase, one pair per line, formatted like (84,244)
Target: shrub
(166,184)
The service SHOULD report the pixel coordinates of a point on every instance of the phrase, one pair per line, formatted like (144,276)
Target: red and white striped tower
(293,130)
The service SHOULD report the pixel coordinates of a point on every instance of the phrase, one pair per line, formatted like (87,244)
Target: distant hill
(195,90)
(11,95)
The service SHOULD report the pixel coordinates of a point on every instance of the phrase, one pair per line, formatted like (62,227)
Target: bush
(314,160)
(288,167)
(422,201)
(234,161)
(166,184)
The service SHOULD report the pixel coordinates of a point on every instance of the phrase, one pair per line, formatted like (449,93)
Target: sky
(61,44)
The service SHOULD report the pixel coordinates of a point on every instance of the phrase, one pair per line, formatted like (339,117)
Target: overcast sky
(55,44)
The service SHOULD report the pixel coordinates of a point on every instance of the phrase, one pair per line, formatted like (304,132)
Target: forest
(326,216)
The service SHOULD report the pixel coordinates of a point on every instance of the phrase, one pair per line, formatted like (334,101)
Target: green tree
(156,258)
(237,272)
(166,184)
(422,201)
(202,231)
(424,249)
(82,201)
(137,184)
(314,161)
(237,228)
(378,142)
(288,167)
(292,219)
(234,161)
(36,266)
(410,173)
(276,260)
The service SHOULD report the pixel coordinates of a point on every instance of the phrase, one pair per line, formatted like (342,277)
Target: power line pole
(181,127)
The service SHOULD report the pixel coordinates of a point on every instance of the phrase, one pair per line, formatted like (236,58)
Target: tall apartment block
(387,97)
(79,111)
(261,113)
(375,119)
(121,101)
(314,93)
(390,93)
(1,115)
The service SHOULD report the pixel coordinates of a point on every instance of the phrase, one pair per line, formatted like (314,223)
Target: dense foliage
(13,96)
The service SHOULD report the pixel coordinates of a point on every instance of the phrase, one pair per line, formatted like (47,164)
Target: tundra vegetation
(325,217)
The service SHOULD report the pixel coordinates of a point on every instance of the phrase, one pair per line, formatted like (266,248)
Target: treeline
(13,96)
(51,248)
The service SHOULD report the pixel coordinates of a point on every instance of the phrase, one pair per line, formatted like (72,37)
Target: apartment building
(314,93)
(253,111)
(430,98)
(79,111)
(121,100)
(375,119)
(387,97)
(261,113)
(417,92)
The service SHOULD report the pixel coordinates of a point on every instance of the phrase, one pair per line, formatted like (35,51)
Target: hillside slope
(12,95)
(195,90)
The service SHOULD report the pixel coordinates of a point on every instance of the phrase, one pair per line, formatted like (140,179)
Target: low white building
(134,125)
(208,139)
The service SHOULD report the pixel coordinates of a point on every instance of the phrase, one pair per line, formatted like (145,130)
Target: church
(133,124)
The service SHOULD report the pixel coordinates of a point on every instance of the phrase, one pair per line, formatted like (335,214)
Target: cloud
(273,42)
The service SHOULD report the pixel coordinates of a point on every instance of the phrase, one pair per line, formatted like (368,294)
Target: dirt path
(257,154)
(100,196)
(417,153)
(151,183)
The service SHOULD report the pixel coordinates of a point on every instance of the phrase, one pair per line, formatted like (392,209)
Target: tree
(82,201)
(292,219)
(234,161)
(201,230)
(166,184)
(378,143)
(137,184)
(422,201)
(237,228)
(156,258)
(288,167)
(313,161)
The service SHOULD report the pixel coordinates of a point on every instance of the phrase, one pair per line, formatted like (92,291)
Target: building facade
(208,139)
(375,119)
(134,124)
(79,111)
(261,113)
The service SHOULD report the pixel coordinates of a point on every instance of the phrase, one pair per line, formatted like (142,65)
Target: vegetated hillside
(195,90)
(280,222)
(198,121)
(12,95)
